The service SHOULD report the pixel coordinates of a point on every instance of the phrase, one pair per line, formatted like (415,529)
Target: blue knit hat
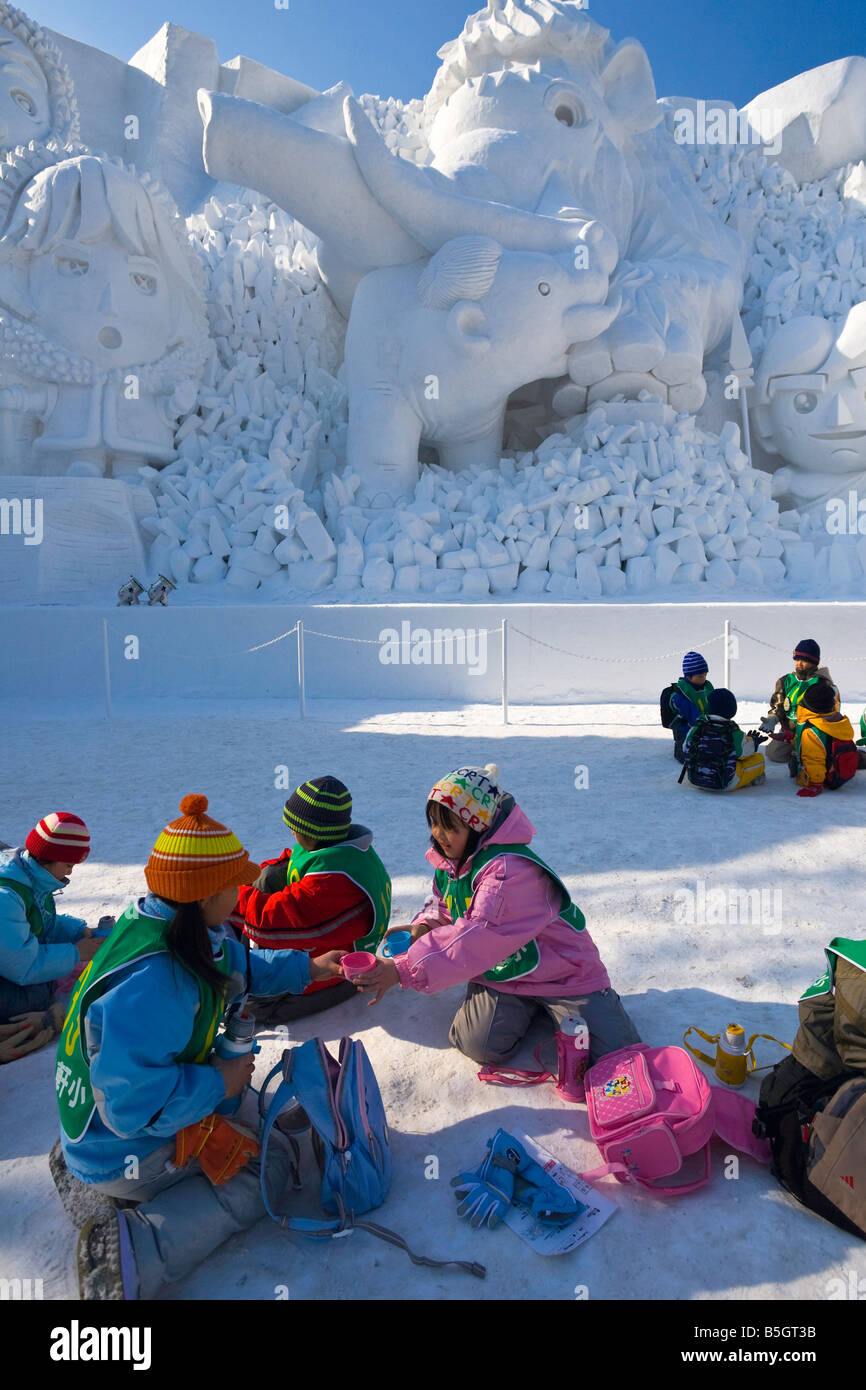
(694,664)
(722,703)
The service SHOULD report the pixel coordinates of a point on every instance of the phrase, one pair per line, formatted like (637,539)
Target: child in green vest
(330,892)
(788,692)
(40,949)
(502,922)
(139,1087)
(689,700)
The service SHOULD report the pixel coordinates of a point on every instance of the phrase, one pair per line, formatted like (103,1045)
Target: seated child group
(136,1004)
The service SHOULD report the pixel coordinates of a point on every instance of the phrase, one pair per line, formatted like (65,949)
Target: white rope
(614,660)
(774,648)
(403,641)
(220,656)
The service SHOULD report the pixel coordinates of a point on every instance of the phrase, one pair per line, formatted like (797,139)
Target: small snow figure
(102,328)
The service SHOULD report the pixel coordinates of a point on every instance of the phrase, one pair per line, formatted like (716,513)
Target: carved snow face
(523,137)
(814,386)
(819,422)
(25,108)
(98,300)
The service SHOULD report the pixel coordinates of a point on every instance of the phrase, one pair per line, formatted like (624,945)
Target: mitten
(486,1194)
(811,790)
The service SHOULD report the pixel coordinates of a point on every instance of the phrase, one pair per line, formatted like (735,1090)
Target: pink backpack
(649,1108)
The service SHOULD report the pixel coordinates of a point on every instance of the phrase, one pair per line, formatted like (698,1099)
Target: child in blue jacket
(689,699)
(136,1074)
(39,947)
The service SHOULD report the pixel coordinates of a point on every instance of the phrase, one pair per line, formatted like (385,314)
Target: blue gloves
(508,1174)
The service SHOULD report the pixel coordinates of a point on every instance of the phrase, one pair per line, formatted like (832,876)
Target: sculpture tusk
(588,321)
(425,204)
(312,175)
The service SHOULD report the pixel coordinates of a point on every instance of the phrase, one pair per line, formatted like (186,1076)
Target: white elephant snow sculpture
(434,350)
(535,118)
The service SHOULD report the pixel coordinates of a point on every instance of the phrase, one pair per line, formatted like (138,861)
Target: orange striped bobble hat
(196,857)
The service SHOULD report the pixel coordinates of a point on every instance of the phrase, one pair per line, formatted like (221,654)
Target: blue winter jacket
(134,1033)
(26,959)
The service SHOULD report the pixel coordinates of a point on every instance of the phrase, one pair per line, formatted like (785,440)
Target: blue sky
(700,48)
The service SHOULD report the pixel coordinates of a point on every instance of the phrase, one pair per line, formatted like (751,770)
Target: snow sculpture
(810,407)
(102,326)
(36,93)
(474,323)
(536,121)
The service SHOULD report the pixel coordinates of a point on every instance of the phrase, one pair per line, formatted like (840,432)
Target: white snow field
(631,846)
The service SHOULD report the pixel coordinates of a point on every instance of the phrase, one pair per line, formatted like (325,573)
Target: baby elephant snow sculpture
(102,326)
(433,352)
(810,407)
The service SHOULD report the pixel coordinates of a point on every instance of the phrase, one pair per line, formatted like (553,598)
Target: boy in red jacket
(330,892)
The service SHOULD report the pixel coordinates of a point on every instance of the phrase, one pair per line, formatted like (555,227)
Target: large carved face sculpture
(89,257)
(25,107)
(99,300)
(812,394)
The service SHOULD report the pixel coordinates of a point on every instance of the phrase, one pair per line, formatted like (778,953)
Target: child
(717,755)
(689,699)
(861,742)
(331,891)
(818,724)
(785,699)
(501,921)
(134,1066)
(38,946)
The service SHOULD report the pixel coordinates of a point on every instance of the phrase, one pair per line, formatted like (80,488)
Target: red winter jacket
(322,912)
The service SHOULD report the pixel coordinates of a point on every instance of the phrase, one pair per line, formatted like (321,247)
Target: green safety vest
(795,689)
(35,921)
(363,867)
(135,937)
(862,738)
(699,697)
(840,946)
(457,893)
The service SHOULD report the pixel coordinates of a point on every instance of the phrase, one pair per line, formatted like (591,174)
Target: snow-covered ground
(631,846)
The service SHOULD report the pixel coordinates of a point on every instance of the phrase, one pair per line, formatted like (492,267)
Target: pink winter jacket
(513,901)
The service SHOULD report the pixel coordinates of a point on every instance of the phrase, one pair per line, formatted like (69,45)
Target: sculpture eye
(144,283)
(24,101)
(543,287)
(72,265)
(567,108)
(805,402)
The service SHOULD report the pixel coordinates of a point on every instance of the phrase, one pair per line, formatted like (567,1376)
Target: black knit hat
(320,809)
(808,650)
(819,698)
(722,703)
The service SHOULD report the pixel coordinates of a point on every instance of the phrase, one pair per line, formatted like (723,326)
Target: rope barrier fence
(440,638)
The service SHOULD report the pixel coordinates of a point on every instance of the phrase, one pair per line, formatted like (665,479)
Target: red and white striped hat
(61,838)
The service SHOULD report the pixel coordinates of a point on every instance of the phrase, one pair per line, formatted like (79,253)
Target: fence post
(106,668)
(505,670)
(302,693)
(727,653)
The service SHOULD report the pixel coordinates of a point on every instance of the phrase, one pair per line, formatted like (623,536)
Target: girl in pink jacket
(501,921)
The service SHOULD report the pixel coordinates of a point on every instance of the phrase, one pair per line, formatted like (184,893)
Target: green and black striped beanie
(321,809)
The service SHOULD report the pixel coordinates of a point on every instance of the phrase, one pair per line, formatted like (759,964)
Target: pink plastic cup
(357,963)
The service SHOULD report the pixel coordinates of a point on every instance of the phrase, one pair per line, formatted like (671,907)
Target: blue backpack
(350,1141)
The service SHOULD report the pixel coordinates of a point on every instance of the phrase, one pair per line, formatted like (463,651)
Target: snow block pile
(402,125)
(618,505)
(270,414)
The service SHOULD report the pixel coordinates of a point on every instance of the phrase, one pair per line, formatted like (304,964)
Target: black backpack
(709,754)
(666,712)
(790,1098)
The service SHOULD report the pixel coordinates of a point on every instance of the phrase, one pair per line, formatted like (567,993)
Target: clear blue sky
(698,48)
